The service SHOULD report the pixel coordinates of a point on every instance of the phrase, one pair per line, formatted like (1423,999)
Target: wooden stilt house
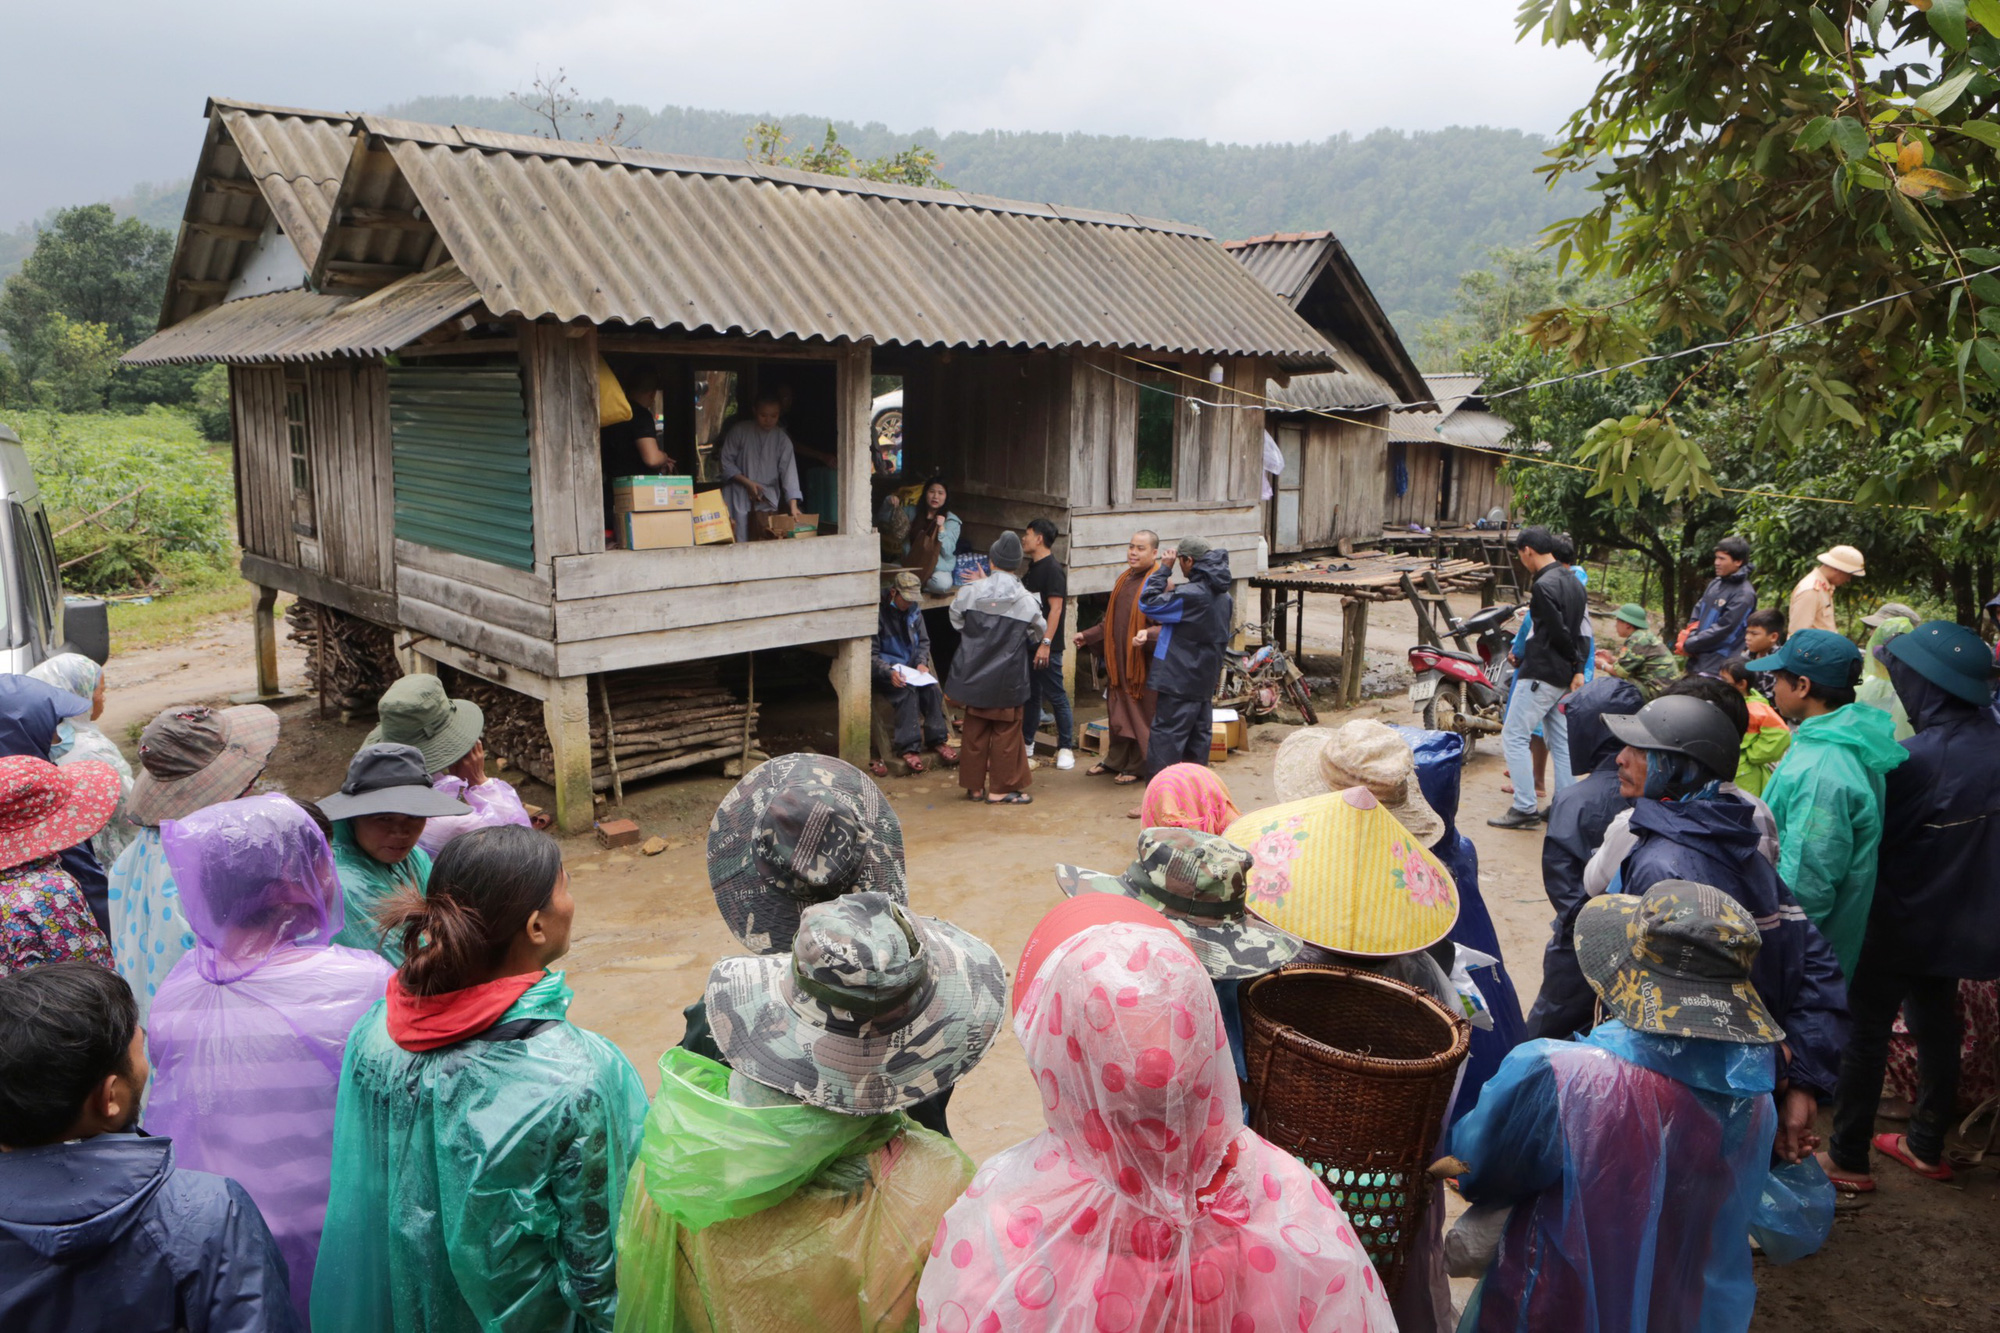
(1444,460)
(415,318)
(1333,428)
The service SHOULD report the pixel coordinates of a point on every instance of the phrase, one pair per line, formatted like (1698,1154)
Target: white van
(39,622)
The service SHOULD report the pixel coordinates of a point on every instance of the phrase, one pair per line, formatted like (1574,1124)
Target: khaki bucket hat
(195,756)
(1316,760)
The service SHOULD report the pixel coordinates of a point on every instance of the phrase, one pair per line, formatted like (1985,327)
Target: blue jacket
(901,639)
(1715,842)
(1194,621)
(1578,816)
(1719,620)
(106,1234)
(1937,895)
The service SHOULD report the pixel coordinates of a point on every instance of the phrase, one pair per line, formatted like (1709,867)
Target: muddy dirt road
(1921,1256)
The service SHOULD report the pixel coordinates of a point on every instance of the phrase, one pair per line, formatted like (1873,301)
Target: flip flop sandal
(1011,798)
(1896,1146)
(878,768)
(947,756)
(975,796)
(1848,1186)
(1126,779)
(914,761)
(1096,771)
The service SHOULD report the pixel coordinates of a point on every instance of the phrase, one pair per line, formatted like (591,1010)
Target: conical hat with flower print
(1339,871)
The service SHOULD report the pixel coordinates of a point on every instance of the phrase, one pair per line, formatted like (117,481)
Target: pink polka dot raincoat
(1146,1206)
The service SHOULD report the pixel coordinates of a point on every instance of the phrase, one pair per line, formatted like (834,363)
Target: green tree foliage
(915,165)
(89,468)
(91,286)
(210,403)
(1759,163)
(73,362)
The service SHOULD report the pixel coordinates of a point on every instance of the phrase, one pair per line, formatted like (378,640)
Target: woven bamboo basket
(1351,1073)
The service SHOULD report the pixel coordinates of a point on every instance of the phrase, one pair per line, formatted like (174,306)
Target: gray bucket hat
(1198,881)
(416,711)
(389,780)
(799,829)
(194,756)
(1676,963)
(873,1010)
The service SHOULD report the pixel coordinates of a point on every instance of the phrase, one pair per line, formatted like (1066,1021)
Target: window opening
(1153,457)
(298,442)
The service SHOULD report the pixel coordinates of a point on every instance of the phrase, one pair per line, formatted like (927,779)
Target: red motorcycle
(1465,689)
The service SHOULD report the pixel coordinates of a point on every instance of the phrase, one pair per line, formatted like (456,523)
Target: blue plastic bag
(1795,1214)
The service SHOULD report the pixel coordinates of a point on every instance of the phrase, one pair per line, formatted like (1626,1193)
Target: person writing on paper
(759,470)
(902,669)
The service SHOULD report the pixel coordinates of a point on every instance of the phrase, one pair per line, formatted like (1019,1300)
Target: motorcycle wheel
(1445,711)
(1301,698)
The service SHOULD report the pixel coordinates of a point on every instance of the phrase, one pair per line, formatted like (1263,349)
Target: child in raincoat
(481,1142)
(1145,1204)
(1633,1159)
(1767,738)
(1875,689)
(248,1030)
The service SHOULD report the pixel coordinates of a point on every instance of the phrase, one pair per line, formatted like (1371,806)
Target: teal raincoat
(364,882)
(1826,795)
(476,1188)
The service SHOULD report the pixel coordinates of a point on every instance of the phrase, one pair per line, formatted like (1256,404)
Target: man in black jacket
(1551,666)
(1715,632)
(1936,914)
(1192,623)
(1578,816)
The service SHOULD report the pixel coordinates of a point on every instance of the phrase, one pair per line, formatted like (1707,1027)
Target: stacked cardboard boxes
(652,513)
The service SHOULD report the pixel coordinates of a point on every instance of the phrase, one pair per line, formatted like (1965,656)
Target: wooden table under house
(1359,580)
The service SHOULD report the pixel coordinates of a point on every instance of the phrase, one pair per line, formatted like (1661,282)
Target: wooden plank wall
(263,465)
(353,479)
(559,382)
(1341,492)
(1477,487)
(1419,503)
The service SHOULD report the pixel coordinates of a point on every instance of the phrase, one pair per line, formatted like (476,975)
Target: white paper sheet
(917,676)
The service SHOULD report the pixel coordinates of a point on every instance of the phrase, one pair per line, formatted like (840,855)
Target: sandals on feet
(914,761)
(947,756)
(1843,1181)
(878,768)
(1126,779)
(1011,798)
(1897,1147)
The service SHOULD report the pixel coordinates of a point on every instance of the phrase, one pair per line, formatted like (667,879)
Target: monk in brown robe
(1122,641)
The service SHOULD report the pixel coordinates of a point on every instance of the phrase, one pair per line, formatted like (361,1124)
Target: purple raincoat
(248,1030)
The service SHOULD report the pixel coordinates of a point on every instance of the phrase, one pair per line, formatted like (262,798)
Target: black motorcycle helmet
(1682,725)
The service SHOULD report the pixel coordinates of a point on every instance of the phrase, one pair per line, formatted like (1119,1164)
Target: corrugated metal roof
(1355,385)
(257,163)
(608,235)
(307,326)
(1285,262)
(1459,418)
(1312,272)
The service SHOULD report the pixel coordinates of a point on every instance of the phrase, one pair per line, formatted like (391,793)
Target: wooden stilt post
(749,705)
(264,627)
(566,717)
(611,739)
(850,683)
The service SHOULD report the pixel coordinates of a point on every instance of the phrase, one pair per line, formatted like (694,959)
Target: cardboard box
(1096,737)
(711,519)
(775,527)
(658,530)
(1235,731)
(651,494)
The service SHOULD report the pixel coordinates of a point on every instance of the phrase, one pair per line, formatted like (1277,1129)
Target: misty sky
(104,95)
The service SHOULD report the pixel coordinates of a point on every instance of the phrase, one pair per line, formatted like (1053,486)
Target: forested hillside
(1416,209)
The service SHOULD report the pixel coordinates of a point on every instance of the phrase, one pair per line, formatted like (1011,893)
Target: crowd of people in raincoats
(309,1064)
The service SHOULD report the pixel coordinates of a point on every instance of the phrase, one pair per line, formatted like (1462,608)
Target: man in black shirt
(632,448)
(1048,582)
(1551,667)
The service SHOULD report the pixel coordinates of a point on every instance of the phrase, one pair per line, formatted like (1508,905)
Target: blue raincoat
(1440,765)
(1634,1164)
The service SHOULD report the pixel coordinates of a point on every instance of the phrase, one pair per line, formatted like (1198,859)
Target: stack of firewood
(662,719)
(352,663)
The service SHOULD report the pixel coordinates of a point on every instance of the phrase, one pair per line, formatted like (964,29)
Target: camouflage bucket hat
(1676,962)
(873,1010)
(1199,882)
(797,830)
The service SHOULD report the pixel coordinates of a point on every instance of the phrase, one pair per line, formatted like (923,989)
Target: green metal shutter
(460,442)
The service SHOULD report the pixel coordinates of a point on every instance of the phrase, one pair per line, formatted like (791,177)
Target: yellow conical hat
(1339,871)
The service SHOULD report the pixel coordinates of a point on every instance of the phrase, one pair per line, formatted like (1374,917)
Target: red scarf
(430,1022)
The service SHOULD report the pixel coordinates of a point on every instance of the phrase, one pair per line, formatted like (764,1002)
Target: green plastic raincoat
(1875,689)
(476,1188)
(364,882)
(739,1219)
(1827,798)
